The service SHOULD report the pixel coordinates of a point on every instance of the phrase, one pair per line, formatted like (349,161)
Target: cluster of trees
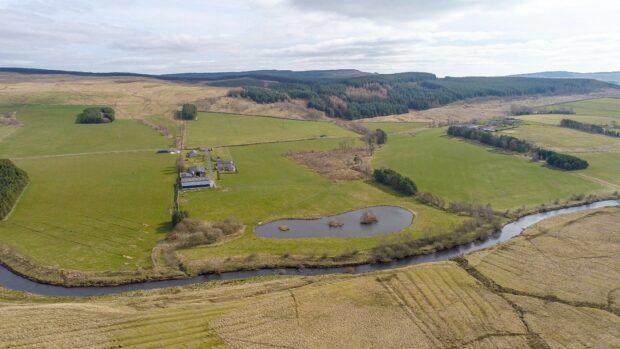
(395,180)
(479,227)
(13,180)
(405,91)
(188,112)
(461,207)
(562,161)
(194,232)
(381,136)
(178,216)
(374,138)
(524,110)
(96,115)
(592,128)
(501,141)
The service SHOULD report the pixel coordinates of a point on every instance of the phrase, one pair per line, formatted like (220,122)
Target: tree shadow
(386,189)
(164,228)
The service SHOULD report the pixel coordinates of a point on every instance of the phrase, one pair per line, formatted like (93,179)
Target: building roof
(195,179)
(197,183)
(197,169)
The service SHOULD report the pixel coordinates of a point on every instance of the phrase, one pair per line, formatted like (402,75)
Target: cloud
(398,9)
(447,37)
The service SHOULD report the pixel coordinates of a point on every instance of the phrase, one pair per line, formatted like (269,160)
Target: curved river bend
(13,281)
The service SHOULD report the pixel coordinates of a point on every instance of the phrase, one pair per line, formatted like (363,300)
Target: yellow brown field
(131,97)
(556,286)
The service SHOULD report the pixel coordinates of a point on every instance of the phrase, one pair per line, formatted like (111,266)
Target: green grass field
(214,129)
(51,130)
(609,107)
(459,170)
(602,152)
(270,186)
(555,119)
(95,212)
(105,208)
(565,140)
(102,210)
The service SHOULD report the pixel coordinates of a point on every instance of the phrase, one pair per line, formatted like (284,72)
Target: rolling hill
(611,77)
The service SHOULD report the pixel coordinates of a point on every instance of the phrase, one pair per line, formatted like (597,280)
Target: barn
(196,183)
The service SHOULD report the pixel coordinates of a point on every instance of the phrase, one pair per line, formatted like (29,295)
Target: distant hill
(270,75)
(66,72)
(274,75)
(353,94)
(611,77)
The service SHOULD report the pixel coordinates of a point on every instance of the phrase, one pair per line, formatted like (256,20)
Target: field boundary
(83,154)
(281,141)
(327,120)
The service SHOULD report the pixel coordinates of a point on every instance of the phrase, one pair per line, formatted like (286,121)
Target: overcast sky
(446,37)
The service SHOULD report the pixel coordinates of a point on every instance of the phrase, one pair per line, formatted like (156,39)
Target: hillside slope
(611,77)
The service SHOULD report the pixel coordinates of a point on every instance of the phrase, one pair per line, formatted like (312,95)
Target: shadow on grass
(387,190)
(164,228)
(170,170)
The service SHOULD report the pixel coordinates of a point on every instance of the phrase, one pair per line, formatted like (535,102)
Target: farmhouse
(225,166)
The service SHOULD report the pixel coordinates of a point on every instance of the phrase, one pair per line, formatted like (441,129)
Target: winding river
(13,281)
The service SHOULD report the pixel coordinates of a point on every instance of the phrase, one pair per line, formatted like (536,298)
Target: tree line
(525,110)
(388,94)
(395,180)
(484,137)
(592,128)
(563,161)
(96,115)
(558,160)
(13,180)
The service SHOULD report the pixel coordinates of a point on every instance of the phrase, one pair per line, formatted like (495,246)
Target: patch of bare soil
(9,118)
(488,108)
(337,165)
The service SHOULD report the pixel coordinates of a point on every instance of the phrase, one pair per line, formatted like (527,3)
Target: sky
(445,37)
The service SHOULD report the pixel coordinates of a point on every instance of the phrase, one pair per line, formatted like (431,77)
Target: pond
(389,219)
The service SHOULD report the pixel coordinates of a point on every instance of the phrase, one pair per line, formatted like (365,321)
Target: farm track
(84,154)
